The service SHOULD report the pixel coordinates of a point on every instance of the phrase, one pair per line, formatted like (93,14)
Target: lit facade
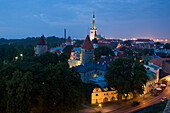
(93,30)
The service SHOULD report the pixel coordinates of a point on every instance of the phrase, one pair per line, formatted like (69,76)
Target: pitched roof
(158,61)
(91,66)
(87,44)
(42,41)
(68,39)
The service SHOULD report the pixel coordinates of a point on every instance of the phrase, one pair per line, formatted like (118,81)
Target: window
(96,94)
(113,98)
(96,100)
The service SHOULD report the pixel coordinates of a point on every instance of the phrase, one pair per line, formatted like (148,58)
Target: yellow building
(104,93)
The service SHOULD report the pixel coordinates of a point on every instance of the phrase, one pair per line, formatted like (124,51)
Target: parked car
(135,103)
(163,99)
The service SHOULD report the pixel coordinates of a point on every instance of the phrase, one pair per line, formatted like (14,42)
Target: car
(163,99)
(135,103)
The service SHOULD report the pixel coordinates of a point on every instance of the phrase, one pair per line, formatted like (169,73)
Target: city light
(16,58)
(100,105)
(21,55)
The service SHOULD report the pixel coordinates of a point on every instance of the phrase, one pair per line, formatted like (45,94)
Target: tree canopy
(39,84)
(102,51)
(167,46)
(126,75)
(67,51)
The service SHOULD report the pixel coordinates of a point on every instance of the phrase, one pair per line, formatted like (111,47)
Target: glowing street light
(100,105)
(16,58)
(21,55)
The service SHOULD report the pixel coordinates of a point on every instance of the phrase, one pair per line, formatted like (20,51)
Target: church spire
(93,20)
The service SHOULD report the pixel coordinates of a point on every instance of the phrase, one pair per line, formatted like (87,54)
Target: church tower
(87,51)
(93,30)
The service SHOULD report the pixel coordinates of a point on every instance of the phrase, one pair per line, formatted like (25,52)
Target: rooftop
(149,73)
(90,66)
(158,61)
(87,44)
(42,41)
(155,67)
(68,39)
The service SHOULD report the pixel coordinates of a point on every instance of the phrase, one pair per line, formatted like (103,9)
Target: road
(126,108)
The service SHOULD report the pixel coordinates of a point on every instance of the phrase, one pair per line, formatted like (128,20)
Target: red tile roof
(57,51)
(68,39)
(87,44)
(158,61)
(42,41)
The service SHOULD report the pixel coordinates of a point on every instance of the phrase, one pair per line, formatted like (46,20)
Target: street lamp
(16,58)
(100,105)
(21,55)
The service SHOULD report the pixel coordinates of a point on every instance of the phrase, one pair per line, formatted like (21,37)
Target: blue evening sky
(114,18)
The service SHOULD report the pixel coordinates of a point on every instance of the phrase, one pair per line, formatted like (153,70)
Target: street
(126,107)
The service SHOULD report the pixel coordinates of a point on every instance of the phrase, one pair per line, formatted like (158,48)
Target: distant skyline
(114,18)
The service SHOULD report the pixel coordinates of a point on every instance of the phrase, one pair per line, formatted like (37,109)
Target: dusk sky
(114,18)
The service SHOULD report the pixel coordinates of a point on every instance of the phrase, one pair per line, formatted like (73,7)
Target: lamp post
(100,105)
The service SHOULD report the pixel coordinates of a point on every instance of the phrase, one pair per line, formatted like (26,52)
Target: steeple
(93,30)
(93,20)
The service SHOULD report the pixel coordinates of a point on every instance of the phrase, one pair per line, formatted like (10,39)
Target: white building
(93,30)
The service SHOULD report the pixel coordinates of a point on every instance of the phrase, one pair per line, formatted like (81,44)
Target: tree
(148,51)
(48,58)
(167,46)
(18,92)
(50,87)
(67,51)
(127,43)
(128,51)
(62,86)
(102,51)
(126,75)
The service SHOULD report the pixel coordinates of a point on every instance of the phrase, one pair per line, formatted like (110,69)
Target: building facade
(103,93)
(91,70)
